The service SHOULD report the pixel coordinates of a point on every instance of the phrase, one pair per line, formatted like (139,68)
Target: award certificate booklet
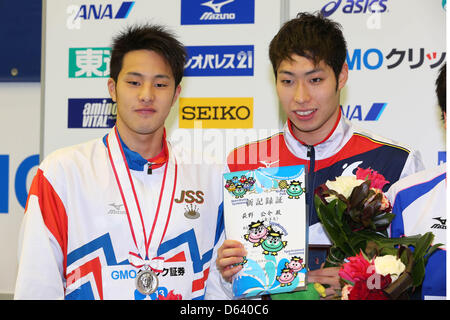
(265,209)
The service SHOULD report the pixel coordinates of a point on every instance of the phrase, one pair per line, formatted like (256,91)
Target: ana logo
(373,114)
(92,113)
(355,6)
(216,113)
(219,61)
(103,11)
(217,11)
(441,224)
(89,62)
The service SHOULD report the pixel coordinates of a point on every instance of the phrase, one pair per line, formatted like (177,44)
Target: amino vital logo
(89,62)
(355,6)
(219,61)
(356,112)
(217,11)
(216,113)
(92,113)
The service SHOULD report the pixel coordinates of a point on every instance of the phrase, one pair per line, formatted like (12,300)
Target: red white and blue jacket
(340,153)
(419,202)
(76,236)
(346,148)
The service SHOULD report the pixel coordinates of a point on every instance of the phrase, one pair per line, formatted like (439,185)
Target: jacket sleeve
(216,287)
(413,164)
(43,239)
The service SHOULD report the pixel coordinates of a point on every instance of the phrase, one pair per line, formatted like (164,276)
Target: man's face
(309,96)
(145,91)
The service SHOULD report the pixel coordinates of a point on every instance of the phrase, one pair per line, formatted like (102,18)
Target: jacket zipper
(310,182)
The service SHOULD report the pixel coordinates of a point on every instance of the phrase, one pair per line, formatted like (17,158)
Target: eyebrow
(315,70)
(138,74)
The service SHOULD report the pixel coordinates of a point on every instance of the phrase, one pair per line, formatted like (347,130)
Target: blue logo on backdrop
(371,59)
(104,11)
(92,113)
(20,180)
(356,113)
(219,61)
(217,11)
(355,6)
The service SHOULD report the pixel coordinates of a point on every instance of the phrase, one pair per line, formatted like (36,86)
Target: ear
(445,119)
(177,94)
(112,89)
(343,76)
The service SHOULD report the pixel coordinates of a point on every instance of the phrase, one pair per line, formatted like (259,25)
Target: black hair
(311,36)
(149,37)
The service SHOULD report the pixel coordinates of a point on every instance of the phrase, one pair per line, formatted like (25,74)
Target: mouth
(145,111)
(305,114)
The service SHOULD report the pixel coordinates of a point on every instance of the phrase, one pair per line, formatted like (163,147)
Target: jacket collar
(136,161)
(334,142)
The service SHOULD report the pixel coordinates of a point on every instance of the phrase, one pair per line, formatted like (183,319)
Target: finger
(232,252)
(228,262)
(331,294)
(231,244)
(229,272)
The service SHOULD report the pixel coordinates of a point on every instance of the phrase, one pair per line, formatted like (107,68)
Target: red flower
(170,296)
(357,269)
(377,181)
(360,291)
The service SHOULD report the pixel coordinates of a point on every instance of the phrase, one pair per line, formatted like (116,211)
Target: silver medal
(146,282)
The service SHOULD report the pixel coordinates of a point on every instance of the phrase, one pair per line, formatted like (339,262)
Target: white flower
(389,265)
(343,185)
(346,291)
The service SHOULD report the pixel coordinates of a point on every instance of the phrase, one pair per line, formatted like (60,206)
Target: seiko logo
(216,112)
(440,225)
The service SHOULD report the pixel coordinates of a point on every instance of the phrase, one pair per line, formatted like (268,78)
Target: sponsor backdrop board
(394,54)
(395,50)
(228,83)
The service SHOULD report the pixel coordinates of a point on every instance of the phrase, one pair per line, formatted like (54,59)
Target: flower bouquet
(356,214)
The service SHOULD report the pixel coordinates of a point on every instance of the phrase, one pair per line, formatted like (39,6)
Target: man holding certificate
(110,218)
(308,56)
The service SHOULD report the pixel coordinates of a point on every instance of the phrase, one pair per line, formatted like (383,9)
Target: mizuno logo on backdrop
(217,11)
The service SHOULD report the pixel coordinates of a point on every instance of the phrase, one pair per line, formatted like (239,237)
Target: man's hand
(230,253)
(326,276)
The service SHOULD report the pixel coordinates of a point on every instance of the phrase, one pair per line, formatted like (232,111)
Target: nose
(146,94)
(302,93)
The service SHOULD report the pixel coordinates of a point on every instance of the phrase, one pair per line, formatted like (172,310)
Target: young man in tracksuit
(419,203)
(308,57)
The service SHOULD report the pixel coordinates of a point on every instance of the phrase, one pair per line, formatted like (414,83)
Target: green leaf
(431,250)
(423,245)
(418,272)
